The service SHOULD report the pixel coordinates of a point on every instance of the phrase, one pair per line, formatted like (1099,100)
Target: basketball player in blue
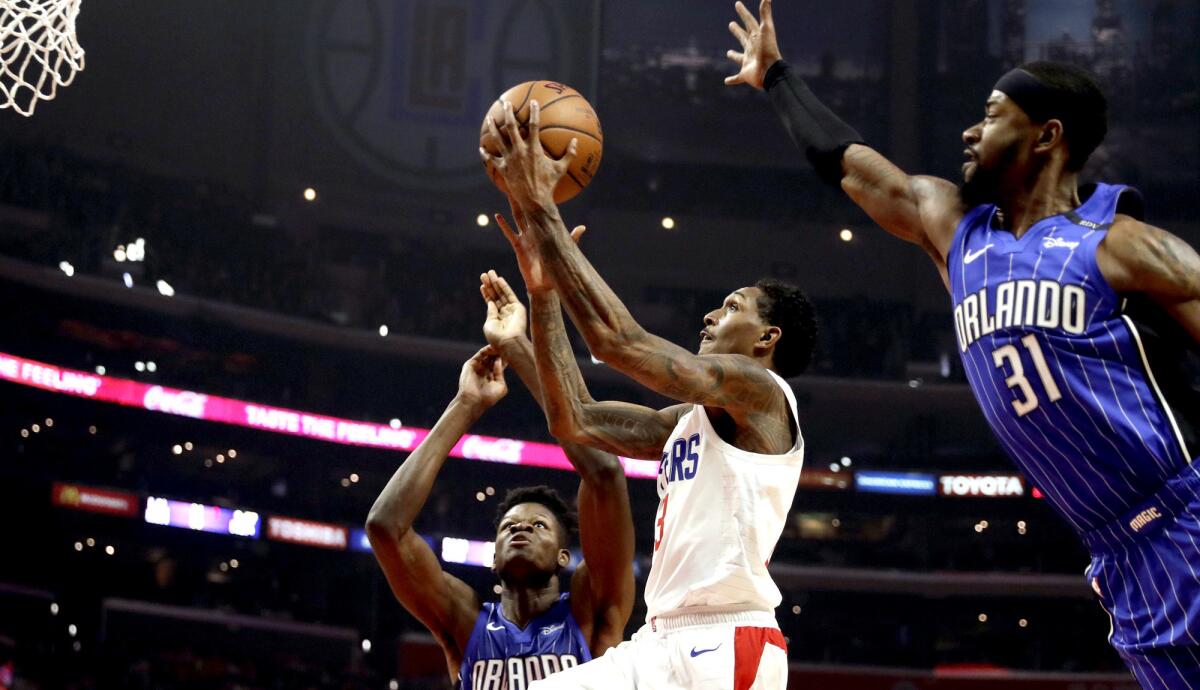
(534,630)
(1075,322)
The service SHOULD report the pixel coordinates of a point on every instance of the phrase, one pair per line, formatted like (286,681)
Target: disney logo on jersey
(516,673)
(680,463)
(1058,242)
(1020,304)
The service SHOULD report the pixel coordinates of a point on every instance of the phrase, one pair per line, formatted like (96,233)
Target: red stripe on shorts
(748,646)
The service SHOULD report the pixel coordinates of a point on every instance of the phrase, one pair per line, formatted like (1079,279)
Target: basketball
(565,114)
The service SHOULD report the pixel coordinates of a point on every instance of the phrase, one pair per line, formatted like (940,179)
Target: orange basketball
(565,114)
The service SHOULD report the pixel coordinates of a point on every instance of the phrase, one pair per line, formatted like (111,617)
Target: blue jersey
(1072,377)
(502,656)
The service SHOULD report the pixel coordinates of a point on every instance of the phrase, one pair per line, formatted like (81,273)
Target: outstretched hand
(529,259)
(530,174)
(506,316)
(760,50)
(481,382)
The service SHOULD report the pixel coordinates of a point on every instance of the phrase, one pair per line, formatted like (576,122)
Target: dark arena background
(239,263)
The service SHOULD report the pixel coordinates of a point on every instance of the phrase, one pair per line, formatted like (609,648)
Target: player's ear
(1049,136)
(769,337)
(564,558)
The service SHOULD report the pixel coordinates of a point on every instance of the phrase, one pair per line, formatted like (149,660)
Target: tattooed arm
(573,415)
(549,260)
(631,430)
(1136,257)
(919,209)
(734,383)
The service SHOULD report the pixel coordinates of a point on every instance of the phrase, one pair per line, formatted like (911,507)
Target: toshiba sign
(307,532)
(985,485)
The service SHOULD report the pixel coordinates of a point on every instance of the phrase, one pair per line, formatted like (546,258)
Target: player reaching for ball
(534,630)
(1075,322)
(729,457)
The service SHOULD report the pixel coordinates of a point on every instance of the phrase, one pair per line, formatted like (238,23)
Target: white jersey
(720,513)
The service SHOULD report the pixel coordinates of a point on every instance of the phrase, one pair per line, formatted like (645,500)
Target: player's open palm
(482,379)
(759,51)
(506,316)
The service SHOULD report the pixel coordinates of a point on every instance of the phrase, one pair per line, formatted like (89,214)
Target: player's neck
(523,604)
(1052,191)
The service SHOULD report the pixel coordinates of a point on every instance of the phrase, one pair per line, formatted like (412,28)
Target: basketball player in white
(729,457)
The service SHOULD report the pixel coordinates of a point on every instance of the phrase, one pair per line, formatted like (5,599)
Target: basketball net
(39,51)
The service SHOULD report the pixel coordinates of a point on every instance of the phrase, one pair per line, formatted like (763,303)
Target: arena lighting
(139,365)
(128,280)
(366,646)
(136,251)
(310,194)
(66,267)
(668,223)
(165,289)
(395,423)
(279,420)
(482,220)
(383,330)
(119,253)
(101,370)
(846,234)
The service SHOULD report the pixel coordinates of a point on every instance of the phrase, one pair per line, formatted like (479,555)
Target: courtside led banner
(280,420)
(308,533)
(204,518)
(92,500)
(904,483)
(982,485)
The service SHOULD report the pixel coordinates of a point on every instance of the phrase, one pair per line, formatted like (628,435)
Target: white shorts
(733,651)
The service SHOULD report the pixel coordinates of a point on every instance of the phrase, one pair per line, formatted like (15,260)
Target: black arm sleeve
(816,130)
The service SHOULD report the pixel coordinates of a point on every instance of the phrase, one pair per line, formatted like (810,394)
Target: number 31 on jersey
(1008,356)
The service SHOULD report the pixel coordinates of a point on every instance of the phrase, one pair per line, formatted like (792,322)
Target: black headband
(1039,100)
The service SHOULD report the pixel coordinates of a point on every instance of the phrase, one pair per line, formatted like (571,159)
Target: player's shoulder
(942,209)
(1128,248)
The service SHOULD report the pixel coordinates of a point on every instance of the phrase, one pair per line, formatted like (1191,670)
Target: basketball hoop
(39,51)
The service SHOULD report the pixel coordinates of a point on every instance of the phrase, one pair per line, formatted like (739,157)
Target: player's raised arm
(573,415)
(1140,258)
(919,209)
(550,260)
(602,587)
(445,604)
